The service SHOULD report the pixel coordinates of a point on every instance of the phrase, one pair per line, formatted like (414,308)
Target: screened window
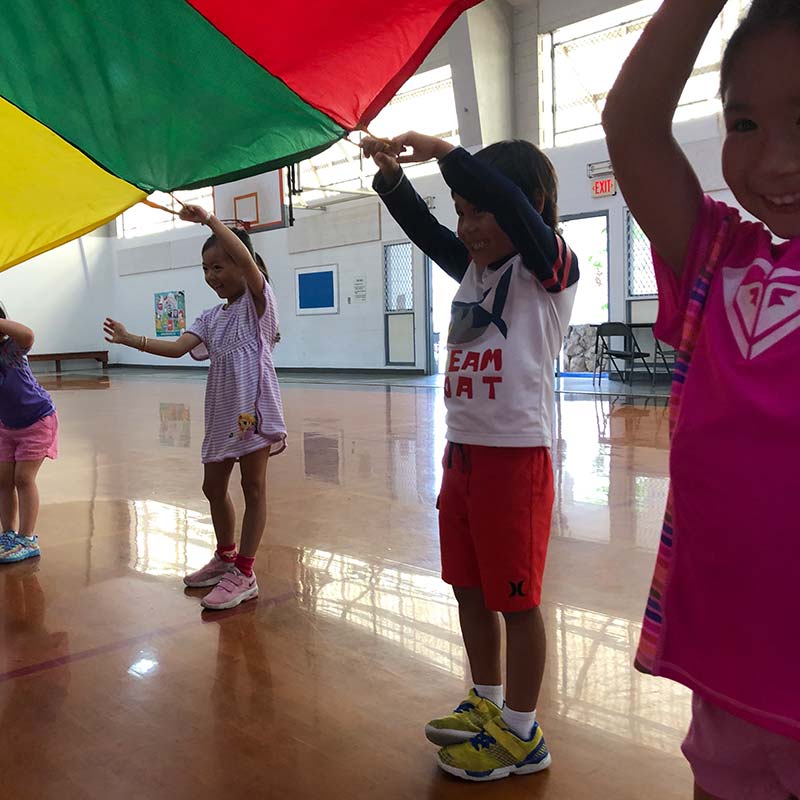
(398,271)
(587,57)
(641,275)
(142,220)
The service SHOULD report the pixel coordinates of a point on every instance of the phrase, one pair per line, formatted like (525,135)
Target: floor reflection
(412,609)
(169,540)
(102,639)
(77,382)
(611,468)
(596,685)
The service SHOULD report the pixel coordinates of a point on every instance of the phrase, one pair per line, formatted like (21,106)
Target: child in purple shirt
(28,435)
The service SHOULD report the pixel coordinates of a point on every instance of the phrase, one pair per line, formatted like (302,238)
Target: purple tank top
(23,402)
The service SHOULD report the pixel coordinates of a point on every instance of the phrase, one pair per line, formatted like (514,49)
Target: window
(424,103)
(398,270)
(142,220)
(586,59)
(639,260)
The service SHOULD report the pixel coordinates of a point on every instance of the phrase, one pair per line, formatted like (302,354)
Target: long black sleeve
(412,215)
(543,252)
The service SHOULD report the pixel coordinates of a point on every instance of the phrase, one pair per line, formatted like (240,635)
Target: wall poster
(170,310)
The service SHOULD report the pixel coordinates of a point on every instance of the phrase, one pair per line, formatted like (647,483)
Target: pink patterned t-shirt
(731,604)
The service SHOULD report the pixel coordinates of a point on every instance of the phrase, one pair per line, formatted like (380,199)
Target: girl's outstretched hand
(115,332)
(192,213)
(423,148)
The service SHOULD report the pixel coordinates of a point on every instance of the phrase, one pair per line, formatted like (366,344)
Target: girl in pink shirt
(243,410)
(723,615)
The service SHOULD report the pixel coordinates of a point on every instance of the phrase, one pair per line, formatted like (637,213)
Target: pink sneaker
(234,588)
(209,575)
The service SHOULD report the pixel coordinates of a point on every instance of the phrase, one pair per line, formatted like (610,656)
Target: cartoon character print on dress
(763,305)
(246,427)
(469,321)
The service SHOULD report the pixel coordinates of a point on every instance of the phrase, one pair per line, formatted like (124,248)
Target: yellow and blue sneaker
(465,722)
(18,548)
(496,752)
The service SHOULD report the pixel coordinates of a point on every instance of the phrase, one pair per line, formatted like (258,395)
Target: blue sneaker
(7,539)
(18,548)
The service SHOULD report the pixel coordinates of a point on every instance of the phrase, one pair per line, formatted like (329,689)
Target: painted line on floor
(220,616)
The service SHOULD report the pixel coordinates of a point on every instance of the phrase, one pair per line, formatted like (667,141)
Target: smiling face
(221,274)
(485,240)
(761,154)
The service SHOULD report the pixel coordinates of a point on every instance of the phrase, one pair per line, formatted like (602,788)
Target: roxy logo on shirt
(763,305)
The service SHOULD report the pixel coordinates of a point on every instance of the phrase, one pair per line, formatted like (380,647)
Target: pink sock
(227,553)
(245,565)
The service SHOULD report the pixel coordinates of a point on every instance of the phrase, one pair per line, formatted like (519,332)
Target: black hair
(244,238)
(529,168)
(262,266)
(764,16)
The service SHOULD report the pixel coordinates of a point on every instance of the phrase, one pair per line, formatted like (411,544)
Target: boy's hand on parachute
(384,153)
(423,148)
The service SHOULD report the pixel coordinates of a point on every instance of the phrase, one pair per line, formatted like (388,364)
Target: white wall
(133,294)
(525,53)
(351,339)
(64,295)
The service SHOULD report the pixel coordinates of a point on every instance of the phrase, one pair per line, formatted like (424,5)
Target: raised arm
(117,333)
(412,215)
(235,249)
(542,251)
(21,334)
(659,184)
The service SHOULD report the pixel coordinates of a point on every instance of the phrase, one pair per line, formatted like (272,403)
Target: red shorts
(35,442)
(494,522)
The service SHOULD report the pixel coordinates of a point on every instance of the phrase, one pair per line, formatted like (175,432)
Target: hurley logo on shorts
(517,588)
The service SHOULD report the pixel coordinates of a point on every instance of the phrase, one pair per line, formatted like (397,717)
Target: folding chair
(605,352)
(665,356)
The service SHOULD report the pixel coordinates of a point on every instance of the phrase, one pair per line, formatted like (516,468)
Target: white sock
(520,722)
(493,693)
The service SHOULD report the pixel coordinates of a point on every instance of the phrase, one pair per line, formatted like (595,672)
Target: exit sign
(604,187)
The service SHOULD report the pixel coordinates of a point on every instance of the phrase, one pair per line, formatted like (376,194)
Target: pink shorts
(35,442)
(736,760)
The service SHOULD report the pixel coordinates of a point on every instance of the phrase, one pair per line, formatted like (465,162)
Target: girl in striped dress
(243,409)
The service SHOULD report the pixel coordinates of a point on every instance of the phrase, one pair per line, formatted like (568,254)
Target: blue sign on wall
(317,291)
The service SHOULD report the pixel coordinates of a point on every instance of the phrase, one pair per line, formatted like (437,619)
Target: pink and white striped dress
(244,412)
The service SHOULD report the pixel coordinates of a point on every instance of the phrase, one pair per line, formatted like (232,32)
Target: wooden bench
(96,355)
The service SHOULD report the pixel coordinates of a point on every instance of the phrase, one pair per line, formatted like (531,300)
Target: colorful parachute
(105,101)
